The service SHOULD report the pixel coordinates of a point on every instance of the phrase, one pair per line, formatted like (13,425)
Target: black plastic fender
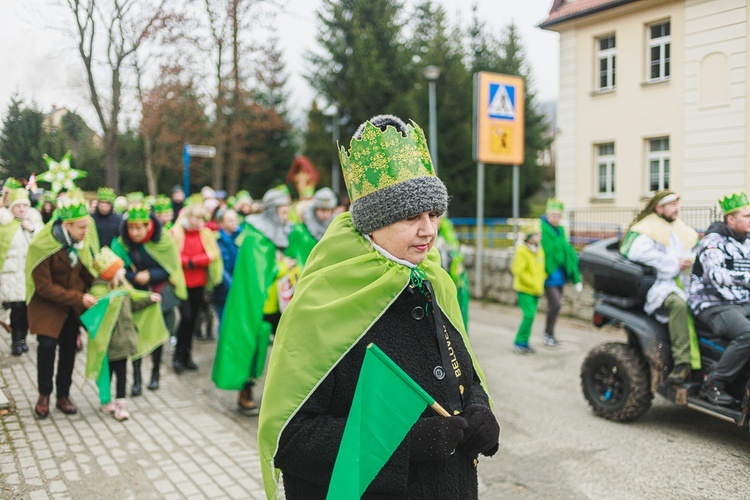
(643,331)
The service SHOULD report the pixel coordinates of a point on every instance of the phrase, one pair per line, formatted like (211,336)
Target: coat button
(417,313)
(438,372)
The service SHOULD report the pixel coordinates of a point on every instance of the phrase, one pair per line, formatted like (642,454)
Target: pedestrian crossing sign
(498,119)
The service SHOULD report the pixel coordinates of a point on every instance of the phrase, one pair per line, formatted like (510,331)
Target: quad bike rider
(618,379)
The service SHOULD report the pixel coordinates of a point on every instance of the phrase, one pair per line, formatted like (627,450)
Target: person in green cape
(58,277)
(561,266)
(376,277)
(127,326)
(15,236)
(316,217)
(152,263)
(254,303)
(453,261)
(163,211)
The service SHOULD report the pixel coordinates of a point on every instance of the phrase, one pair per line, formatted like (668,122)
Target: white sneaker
(550,340)
(109,408)
(121,412)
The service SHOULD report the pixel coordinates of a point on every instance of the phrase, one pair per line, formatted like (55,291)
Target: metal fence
(584,226)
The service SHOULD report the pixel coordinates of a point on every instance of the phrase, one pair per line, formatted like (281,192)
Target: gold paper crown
(734,202)
(381,159)
(106,263)
(106,194)
(72,206)
(139,212)
(18,195)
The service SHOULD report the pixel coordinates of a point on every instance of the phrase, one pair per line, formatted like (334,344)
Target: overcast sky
(42,64)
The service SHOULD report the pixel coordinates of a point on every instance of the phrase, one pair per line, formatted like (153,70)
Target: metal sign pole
(479,264)
(516,194)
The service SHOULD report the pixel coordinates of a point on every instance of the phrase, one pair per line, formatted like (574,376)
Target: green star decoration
(60,174)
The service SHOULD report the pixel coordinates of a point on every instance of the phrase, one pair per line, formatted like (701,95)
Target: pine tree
(319,145)
(21,138)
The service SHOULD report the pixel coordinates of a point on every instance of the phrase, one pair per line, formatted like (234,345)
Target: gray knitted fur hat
(407,186)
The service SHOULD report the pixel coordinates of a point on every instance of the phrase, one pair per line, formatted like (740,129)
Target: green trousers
(528,304)
(679,335)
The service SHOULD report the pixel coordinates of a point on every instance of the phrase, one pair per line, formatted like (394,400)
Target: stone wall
(497,285)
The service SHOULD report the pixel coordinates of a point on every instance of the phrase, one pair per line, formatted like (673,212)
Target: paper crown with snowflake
(139,212)
(60,174)
(389,174)
(72,206)
(107,263)
(106,194)
(734,202)
(162,204)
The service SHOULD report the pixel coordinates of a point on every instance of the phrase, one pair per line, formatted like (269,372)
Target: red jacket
(194,260)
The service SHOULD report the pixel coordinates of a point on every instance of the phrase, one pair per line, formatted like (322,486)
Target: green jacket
(558,253)
(301,243)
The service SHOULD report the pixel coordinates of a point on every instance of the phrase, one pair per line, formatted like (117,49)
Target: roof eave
(577,15)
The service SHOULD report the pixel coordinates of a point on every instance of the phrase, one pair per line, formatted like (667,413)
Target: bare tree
(108,33)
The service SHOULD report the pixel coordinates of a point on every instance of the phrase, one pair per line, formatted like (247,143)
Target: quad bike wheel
(615,382)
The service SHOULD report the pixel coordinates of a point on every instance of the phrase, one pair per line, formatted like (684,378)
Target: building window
(658,51)
(605,170)
(658,164)
(606,55)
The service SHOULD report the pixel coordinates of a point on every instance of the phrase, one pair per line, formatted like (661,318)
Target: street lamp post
(432,73)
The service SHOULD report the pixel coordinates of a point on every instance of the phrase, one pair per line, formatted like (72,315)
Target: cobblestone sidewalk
(182,441)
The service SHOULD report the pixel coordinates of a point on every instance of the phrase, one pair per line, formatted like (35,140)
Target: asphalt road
(553,446)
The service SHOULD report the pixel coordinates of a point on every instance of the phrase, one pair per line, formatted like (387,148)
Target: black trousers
(119,368)
(19,322)
(731,322)
(45,354)
(188,315)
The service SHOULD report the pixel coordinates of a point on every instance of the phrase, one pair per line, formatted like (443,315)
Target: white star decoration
(60,174)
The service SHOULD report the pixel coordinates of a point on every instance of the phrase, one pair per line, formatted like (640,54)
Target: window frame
(664,44)
(609,163)
(609,55)
(664,169)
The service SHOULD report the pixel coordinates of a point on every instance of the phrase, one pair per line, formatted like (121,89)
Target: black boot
(156,360)
(178,361)
(16,348)
(137,390)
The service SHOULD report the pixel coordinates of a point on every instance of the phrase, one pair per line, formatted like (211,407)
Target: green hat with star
(389,174)
(60,174)
(139,212)
(72,206)
(106,194)
(734,202)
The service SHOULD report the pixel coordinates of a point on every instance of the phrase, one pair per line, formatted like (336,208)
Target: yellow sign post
(499,119)
(498,139)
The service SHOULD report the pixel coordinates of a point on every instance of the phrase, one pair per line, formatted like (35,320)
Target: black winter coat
(107,227)
(310,442)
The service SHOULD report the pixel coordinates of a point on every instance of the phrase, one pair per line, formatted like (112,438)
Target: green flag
(386,404)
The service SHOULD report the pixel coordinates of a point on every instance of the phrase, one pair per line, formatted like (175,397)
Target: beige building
(652,95)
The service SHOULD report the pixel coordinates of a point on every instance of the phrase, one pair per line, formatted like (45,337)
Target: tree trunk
(219,123)
(233,174)
(151,178)
(111,171)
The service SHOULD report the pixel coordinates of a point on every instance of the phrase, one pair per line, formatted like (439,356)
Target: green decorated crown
(12,183)
(163,204)
(120,205)
(106,194)
(72,206)
(734,202)
(139,212)
(381,159)
(194,199)
(242,196)
(554,206)
(106,263)
(18,195)
(134,197)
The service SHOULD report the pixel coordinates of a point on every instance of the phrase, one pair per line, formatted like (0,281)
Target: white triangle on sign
(501,104)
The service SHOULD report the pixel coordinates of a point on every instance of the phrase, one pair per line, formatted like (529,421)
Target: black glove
(435,438)
(483,432)
(191,264)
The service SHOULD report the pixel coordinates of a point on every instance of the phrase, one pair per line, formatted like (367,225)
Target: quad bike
(620,379)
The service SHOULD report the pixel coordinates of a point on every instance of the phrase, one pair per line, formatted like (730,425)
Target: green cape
(558,253)
(165,253)
(45,244)
(100,322)
(243,336)
(7,232)
(346,286)
(457,269)
(301,243)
